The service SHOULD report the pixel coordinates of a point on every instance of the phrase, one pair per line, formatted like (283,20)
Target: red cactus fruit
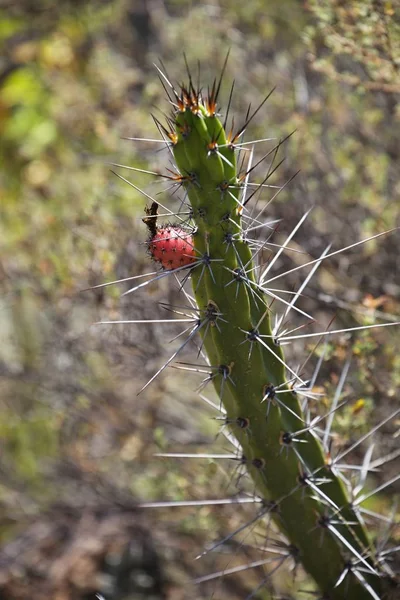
(172,247)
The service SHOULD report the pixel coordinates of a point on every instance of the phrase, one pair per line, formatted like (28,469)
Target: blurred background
(77,443)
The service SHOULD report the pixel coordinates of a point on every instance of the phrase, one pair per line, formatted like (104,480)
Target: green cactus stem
(285,458)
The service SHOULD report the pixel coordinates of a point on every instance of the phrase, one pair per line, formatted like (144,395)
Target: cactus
(284,449)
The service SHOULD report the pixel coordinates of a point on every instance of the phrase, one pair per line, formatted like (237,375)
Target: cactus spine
(281,449)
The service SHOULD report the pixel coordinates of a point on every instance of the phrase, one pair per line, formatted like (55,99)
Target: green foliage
(366,31)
